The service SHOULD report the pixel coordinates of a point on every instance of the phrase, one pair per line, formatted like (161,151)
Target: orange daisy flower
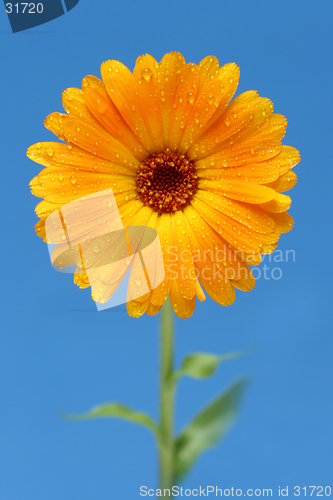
(205,172)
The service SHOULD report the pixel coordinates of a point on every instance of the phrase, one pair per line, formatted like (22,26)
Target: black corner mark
(25,15)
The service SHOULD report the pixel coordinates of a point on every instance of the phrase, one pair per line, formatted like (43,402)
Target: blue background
(58,353)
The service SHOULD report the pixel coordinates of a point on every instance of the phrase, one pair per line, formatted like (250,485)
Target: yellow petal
(250,216)
(285,182)
(57,154)
(232,231)
(45,208)
(238,190)
(183,267)
(280,203)
(61,185)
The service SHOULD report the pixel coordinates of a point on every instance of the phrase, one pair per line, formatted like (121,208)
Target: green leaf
(202,365)
(117,410)
(208,428)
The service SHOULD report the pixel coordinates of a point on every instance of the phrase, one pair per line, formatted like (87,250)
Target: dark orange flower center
(166,181)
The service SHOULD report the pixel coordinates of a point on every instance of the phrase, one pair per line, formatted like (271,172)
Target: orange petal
(81,279)
(214,282)
(210,94)
(199,292)
(90,137)
(229,77)
(212,248)
(170,70)
(147,89)
(243,115)
(272,129)
(182,307)
(241,154)
(103,109)
(153,310)
(164,228)
(119,84)
(183,103)
(284,222)
(73,103)
(40,230)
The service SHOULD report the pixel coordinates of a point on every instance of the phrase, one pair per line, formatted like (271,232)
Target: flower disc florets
(167,181)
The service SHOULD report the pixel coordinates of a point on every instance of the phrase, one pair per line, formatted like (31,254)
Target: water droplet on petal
(73,179)
(138,280)
(190,97)
(147,74)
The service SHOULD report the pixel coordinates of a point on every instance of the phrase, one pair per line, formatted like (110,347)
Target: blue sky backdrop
(57,353)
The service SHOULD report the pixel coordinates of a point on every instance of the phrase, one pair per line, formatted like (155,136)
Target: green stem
(166,447)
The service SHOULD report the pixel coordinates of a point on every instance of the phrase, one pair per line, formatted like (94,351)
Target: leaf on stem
(207,428)
(117,410)
(202,365)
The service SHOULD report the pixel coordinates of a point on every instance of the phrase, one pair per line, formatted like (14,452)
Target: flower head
(208,174)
